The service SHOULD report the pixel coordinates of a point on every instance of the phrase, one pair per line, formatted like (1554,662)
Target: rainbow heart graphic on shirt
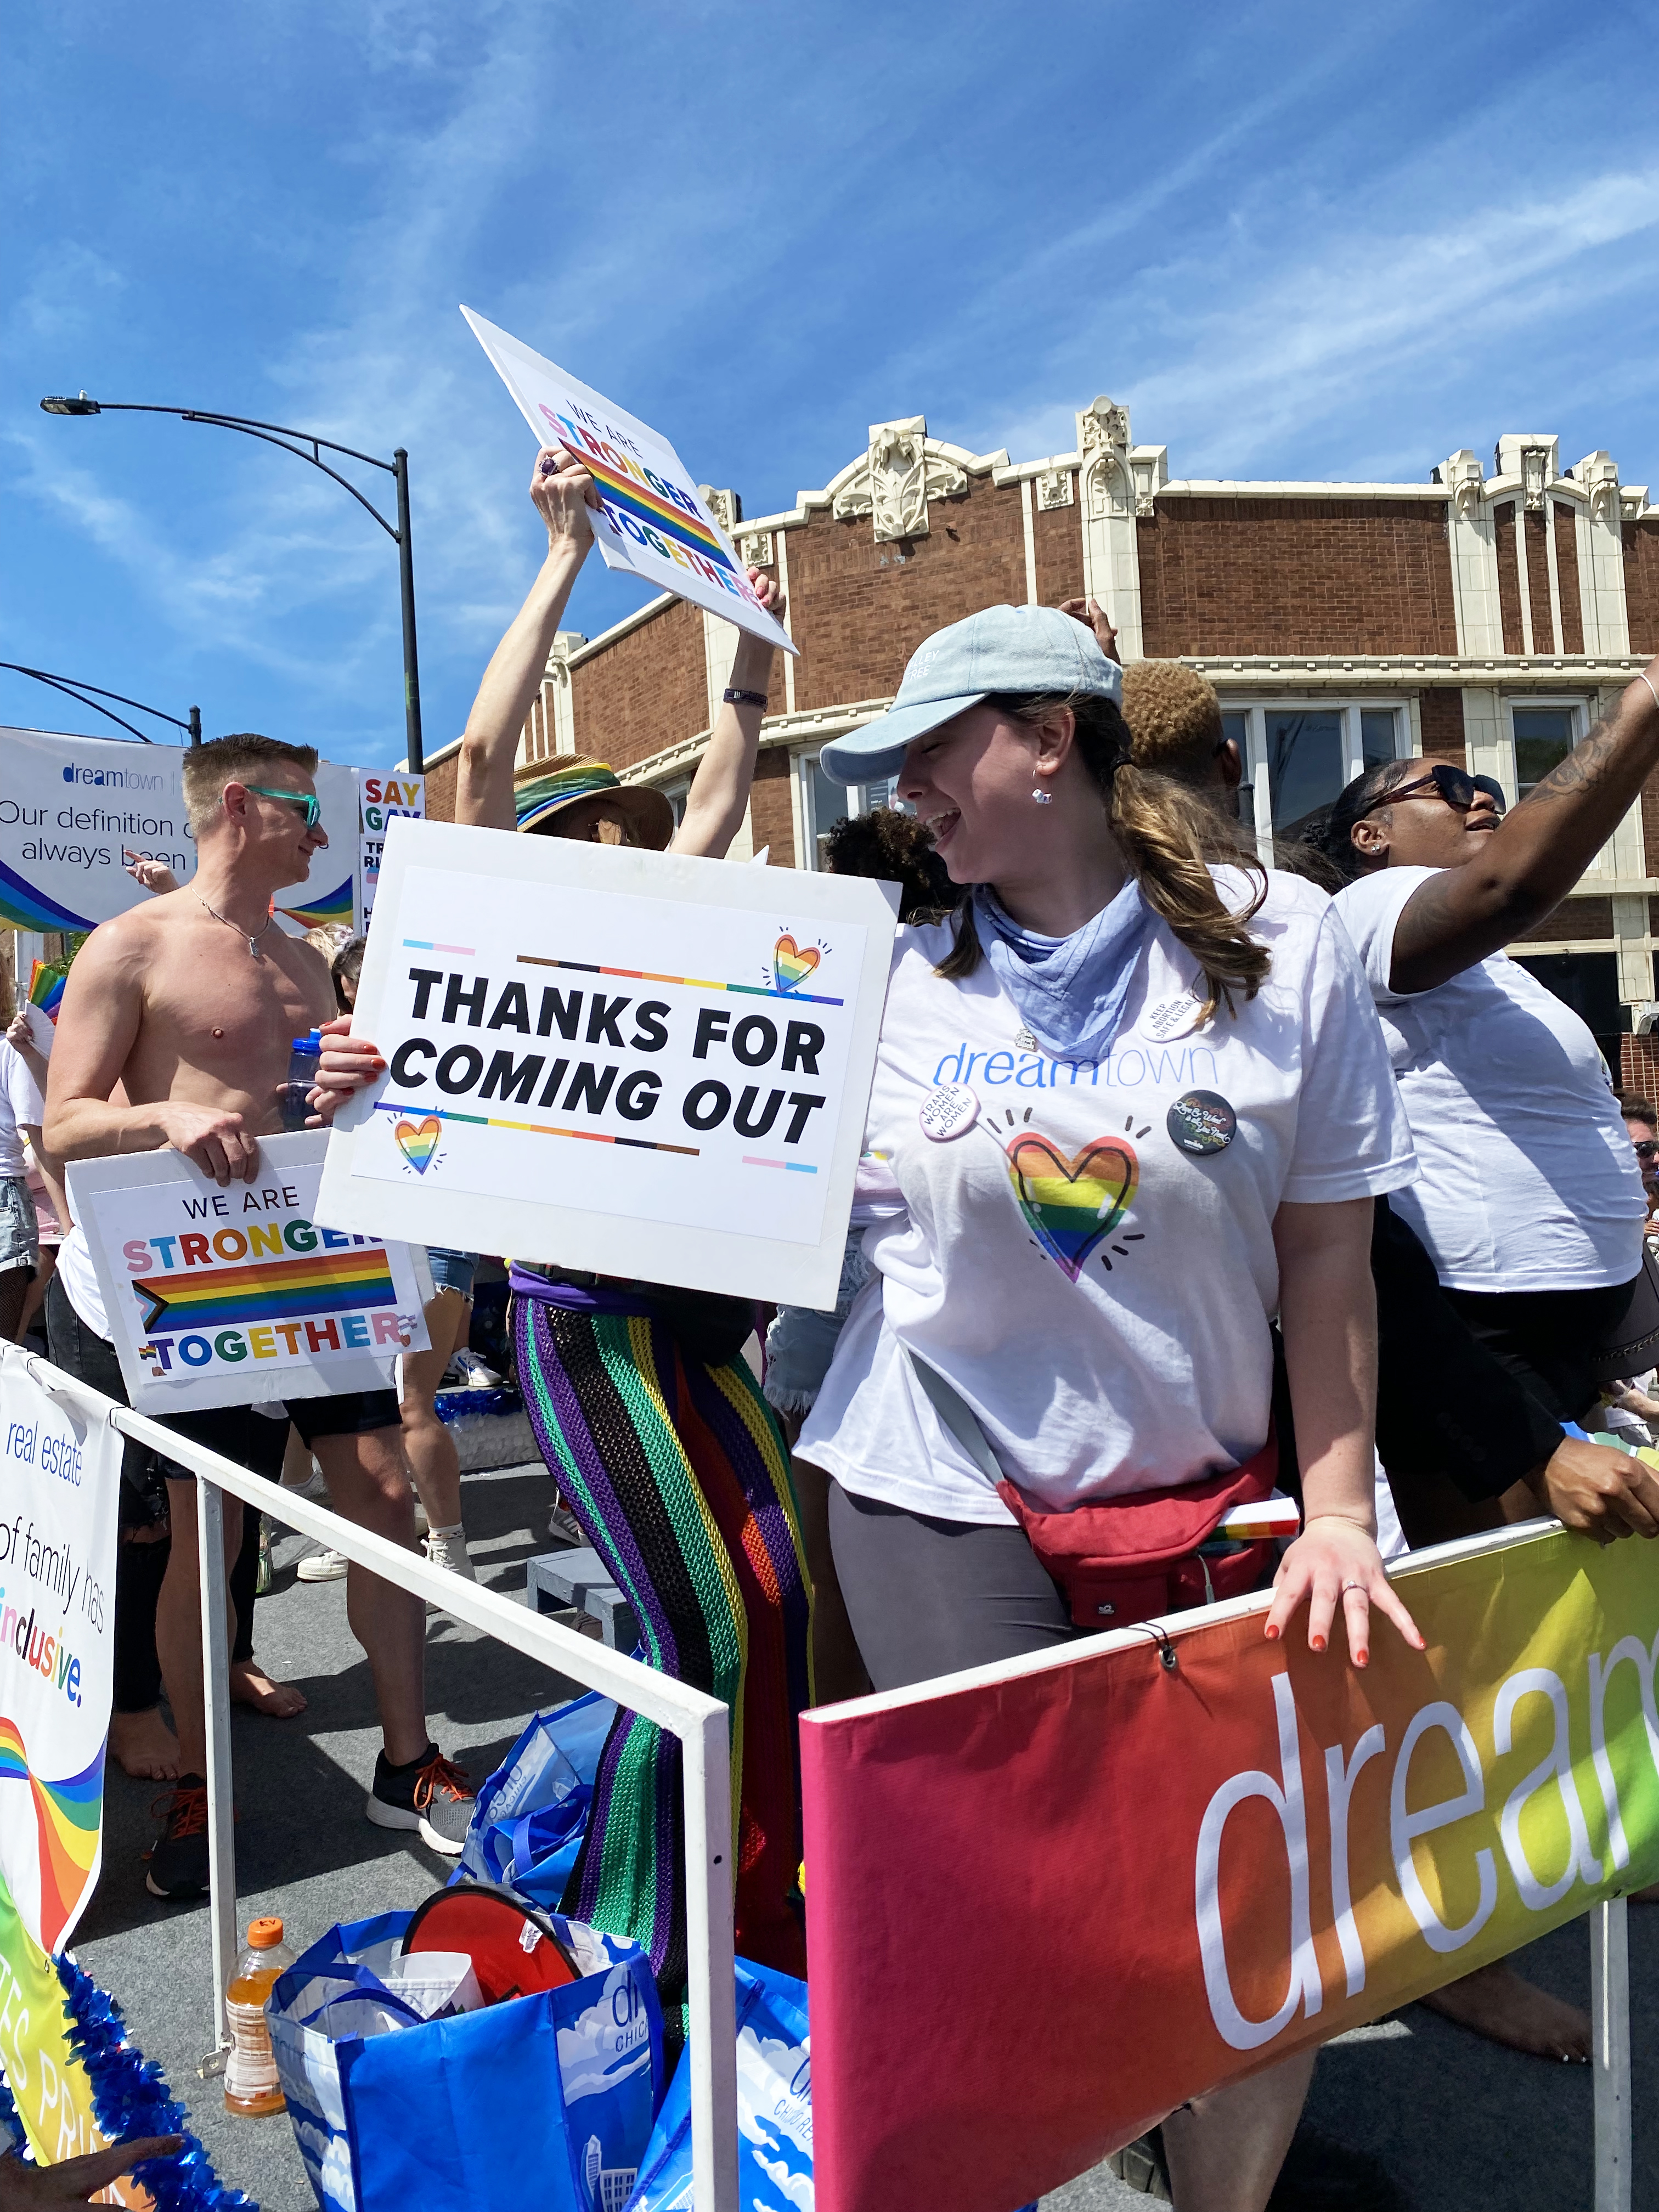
(791,964)
(1072,1204)
(418,1140)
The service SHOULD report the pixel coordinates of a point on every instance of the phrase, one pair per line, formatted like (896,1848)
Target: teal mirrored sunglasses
(308,804)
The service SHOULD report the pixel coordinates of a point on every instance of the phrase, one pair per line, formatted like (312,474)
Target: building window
(1298,756)
(825,802)
(676,793)
(1544,736)
(1588,983)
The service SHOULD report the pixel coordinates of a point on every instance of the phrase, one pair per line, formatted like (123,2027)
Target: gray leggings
(927,1597)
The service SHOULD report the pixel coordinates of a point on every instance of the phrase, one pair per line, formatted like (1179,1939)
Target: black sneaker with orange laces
(179,1857)
(431,1794)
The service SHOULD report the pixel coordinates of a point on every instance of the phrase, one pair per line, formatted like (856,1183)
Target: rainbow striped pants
(679,1477)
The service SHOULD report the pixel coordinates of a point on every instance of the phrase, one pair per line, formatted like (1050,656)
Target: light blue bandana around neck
(1071,990)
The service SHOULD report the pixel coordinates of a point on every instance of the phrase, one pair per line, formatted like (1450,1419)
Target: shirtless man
(190,1004)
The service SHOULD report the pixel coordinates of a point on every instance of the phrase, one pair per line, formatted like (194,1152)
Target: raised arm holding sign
(568,499)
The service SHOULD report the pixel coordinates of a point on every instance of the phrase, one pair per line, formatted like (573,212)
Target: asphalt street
(1463,2126)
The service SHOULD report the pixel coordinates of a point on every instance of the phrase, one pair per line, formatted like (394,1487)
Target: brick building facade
(1486,619)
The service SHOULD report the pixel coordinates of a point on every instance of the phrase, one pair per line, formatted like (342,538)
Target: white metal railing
(702,1723)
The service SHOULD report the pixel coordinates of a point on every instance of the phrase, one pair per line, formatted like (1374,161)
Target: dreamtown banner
(73,811)
(59,1474)
(1089,1886)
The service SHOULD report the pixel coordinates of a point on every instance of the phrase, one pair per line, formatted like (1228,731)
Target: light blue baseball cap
(1000,649)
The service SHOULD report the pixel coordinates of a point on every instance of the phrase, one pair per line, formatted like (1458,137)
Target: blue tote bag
(543,2100)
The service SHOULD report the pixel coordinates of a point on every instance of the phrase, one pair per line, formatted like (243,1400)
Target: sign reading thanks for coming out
(633,1062)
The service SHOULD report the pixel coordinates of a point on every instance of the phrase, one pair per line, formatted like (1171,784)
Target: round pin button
(948,1112)
(1202,1122)
(1171,1018)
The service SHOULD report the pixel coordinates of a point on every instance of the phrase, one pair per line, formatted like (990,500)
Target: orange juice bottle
(251,2088)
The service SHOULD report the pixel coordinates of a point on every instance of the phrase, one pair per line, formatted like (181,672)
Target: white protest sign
(237,1296)
(60,1471)
(73,811)
(653,521)
(380,799)
(634,1062)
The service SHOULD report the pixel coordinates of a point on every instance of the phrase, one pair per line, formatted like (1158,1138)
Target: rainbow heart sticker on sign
(793,964)
(1072,1204)
(418,1140)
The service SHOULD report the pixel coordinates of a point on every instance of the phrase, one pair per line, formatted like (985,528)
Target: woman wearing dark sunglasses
(1530,1201)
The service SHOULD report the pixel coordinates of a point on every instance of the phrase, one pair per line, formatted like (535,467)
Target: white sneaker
(475,1374)
(563,1526)
(450,1552)
(322,1567)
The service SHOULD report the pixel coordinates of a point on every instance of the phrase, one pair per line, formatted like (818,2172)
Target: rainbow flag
(47,981)
(287,1290)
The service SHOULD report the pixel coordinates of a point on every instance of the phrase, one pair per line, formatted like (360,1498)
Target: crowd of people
(1387,1255)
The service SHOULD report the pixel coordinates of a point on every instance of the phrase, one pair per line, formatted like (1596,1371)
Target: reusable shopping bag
(775,2107)
(398,2099)
(528,1821)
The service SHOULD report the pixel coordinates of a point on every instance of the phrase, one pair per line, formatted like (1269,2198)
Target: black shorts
(244,1434)
(1550,1340)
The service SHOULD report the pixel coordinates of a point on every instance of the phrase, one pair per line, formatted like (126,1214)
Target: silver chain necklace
(254,950)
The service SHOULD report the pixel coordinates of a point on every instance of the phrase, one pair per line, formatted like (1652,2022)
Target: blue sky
(1299,242)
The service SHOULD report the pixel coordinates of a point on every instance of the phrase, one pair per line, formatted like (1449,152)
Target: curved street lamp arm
(72,690)
(273,434)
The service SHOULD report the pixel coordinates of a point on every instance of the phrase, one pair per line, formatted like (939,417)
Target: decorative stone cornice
(1412,671)
(903,470)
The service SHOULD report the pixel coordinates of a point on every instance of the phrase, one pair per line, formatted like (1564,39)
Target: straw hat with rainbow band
(541,790)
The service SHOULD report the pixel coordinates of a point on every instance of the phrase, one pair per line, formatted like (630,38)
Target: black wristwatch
(733,697)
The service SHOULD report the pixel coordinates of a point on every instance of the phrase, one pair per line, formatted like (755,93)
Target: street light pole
(417,754)
(274,433)
(73,688)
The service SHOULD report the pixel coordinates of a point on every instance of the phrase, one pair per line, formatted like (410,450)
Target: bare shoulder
(127,946)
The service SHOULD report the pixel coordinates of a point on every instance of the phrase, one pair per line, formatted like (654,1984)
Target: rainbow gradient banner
(654,522)
(241,1296)
(1093,1885)
(59,1476)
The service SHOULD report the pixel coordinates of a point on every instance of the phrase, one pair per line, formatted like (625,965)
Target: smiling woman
(1039,1418)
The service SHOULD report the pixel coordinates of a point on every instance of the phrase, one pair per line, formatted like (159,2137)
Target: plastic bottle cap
(263,1935)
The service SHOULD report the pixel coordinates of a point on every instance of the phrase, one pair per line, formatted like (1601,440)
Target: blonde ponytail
(1169,836)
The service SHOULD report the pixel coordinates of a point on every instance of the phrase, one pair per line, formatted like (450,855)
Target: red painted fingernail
(1317,1643)
(1272,1633)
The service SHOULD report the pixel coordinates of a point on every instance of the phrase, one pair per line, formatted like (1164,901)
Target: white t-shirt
(21,1108)
(1120,1344)
(1530,1181)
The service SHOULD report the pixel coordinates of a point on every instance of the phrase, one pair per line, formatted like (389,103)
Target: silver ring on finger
(1346,1586)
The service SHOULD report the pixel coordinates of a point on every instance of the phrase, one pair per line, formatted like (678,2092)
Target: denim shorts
(452,1271)
(19,1239)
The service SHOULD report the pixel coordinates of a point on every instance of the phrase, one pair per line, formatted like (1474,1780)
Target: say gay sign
(240,1297)
(627,1061)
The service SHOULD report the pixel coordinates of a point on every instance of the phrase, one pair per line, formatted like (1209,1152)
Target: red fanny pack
(1135,1558)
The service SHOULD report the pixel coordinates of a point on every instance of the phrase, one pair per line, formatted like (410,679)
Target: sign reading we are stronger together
(651,519)
(241,1296)
(633,1062)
